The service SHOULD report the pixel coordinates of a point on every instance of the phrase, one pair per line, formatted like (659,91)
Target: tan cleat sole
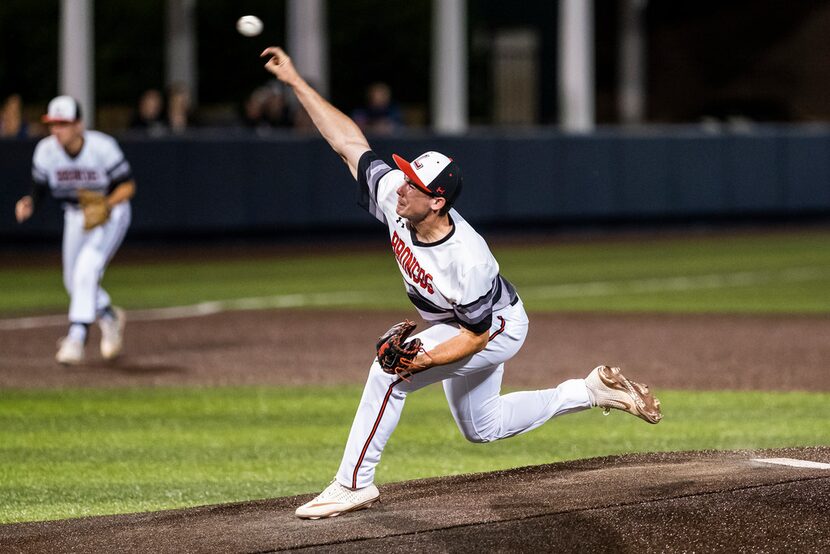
(363,506)
(635,399)
(336,500)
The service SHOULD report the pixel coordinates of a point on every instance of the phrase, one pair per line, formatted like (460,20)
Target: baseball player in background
(477,320)
(87,172)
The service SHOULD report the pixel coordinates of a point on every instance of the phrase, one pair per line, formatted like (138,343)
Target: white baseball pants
(472,387)
(85,257)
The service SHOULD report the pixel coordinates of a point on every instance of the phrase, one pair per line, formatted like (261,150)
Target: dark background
(754,73)
(761,60)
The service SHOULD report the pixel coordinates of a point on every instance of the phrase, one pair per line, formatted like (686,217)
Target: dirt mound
(697,501)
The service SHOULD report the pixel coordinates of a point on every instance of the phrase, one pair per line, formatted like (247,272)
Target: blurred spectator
(381,115)
(253,111)
(276,109)
(266,109)
(149,114)
(179,109)
(12,123)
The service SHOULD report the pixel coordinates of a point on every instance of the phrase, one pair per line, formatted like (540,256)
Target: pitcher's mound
(688,501)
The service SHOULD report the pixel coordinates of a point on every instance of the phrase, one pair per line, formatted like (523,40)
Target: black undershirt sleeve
(38,192)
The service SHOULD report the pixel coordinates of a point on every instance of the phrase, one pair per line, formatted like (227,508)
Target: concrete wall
(209,185)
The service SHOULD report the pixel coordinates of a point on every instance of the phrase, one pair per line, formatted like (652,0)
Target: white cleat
(112,334)
(336,500)
(612,390)
(70,351)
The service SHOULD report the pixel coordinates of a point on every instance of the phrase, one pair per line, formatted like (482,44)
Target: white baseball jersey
(453,282)
(99,166)
(454,279)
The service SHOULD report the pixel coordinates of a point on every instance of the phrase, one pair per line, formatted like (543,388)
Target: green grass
(759,273)
(83,452)
(86,452)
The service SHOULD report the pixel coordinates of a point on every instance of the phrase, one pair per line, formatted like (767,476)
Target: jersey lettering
(76,175)
(99,166)
(406,259)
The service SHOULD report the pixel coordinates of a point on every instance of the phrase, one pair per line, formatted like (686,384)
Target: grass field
(84,452)
(757,273)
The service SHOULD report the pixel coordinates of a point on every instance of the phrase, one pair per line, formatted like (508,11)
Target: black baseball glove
(395,353)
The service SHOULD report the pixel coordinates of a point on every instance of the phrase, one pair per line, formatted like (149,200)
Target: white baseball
(249,25)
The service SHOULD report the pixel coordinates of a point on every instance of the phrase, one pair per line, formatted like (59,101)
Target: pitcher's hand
(280,65)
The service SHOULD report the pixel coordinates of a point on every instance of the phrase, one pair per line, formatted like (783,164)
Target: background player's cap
(433,173)
(62,109)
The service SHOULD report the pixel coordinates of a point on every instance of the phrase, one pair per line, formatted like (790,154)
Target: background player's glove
(96,209)
(395,354)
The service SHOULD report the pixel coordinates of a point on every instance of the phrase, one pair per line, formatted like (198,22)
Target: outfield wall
(235,183)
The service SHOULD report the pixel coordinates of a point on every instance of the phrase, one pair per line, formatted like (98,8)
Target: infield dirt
(296,347)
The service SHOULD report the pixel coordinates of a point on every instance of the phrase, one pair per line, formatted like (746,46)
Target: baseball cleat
(336,500)
(611,389)
(70,351)
(112,334)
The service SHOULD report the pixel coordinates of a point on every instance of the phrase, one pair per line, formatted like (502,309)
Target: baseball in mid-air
(249,25)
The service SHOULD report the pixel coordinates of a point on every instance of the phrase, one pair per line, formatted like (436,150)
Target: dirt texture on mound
(678,502)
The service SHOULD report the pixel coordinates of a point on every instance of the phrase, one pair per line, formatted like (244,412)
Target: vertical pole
(180,50)
(632,62)
(76,62)
(576,65)
(449,66)
(307,43)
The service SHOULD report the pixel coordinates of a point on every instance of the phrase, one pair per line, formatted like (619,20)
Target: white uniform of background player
(71,159)
(477,321)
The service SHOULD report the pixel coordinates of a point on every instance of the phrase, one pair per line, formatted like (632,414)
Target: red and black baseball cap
(433,173)
(62,109)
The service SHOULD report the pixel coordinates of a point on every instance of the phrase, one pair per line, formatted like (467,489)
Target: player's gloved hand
(395,353)
(95,207)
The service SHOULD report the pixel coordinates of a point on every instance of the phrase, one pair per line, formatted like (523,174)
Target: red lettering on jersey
(410,265)
(76,175)
(428,282)
(410,260)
